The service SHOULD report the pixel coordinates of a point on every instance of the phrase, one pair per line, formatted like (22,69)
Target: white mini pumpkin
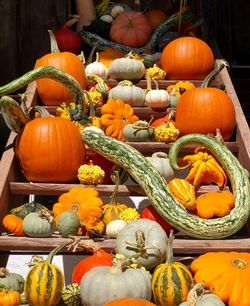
(157,99)
(114,227)
(161,162)
(97,68)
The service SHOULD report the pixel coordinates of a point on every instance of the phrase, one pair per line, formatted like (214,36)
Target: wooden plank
(180,246)
(25,188)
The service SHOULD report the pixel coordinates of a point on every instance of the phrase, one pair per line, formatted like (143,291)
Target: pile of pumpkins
(143,272)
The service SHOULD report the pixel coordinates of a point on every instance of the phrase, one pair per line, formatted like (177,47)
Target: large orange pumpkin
(50,91)
(187,58)
(131,29)
(204,110)
(50,149)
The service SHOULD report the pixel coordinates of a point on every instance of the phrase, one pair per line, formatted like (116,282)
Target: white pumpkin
(97,68)
(114,227)
(129,93)
(157,99)
(126,68)
(117,10)
(155,241)
(161,162)
(102,284)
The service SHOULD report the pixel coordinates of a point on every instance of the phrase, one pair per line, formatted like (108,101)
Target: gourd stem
(91,105)
(170,255)
(218,67)
(90,57)
(53,43)
(4,272)
(55,251)
(116,180)
(46,72)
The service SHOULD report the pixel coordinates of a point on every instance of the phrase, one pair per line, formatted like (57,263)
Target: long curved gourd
(159,194)
(46,72)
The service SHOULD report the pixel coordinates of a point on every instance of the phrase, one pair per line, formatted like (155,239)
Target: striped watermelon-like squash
(171,281)
(44,282)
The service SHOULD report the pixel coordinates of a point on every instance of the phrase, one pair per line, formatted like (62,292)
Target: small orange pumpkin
(131,29)
(214,204)
(13,224)
(108,55)
(10,298)
(86,198)
(187,58)
(115,114)
(184,192)
(50,91)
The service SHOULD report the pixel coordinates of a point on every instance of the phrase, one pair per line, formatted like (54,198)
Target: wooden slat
(185,246)
(26,188)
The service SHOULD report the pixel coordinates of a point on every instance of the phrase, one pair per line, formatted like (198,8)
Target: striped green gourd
(171,281)
(71,295)
(44,282)
(159,194)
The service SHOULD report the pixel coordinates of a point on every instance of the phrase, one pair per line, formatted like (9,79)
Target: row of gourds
(143,272)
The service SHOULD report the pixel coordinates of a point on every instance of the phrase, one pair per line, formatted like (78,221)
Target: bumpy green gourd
(161,197)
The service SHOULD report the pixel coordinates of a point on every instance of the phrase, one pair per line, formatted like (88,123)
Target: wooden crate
(14,188)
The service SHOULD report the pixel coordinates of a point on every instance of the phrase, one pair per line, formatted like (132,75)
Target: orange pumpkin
(10,298)
(108,55)
(131,29)
(115,115)
(50,91)
(50,149)
(13,224)
(225,274)
(155,18)
(187,58)
(129,302)
(205,109)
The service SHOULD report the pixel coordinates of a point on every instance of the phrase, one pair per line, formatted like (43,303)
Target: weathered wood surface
(187,246)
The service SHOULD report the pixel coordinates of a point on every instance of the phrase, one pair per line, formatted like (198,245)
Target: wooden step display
(14,187)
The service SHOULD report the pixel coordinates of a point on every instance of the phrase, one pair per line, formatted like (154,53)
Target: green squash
(39,224)
(68,223)
(71,295)
(11,281)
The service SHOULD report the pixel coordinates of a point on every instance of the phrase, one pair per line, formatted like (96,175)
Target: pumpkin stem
(53,43)
(195,294)
(85,244)
(139,246)
(218,67)
(115,177)
(91,54)
(4,272)
(55,251)
(170,255)
(46,214)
